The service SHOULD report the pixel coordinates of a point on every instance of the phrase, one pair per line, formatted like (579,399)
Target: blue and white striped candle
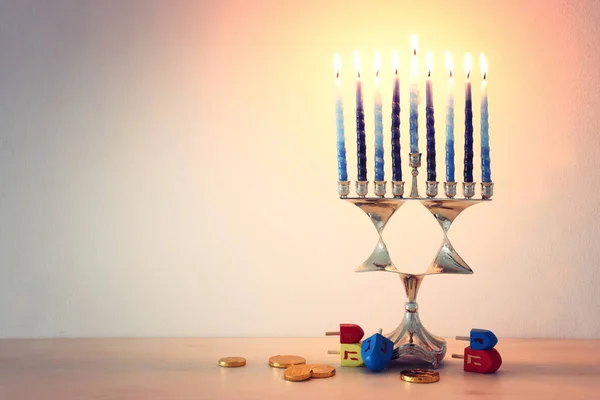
(486,171)
(379,174)
(450,120)
(414,97)
(339,120)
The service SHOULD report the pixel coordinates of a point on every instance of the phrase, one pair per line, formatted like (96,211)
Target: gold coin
(322,370)
(419,375)
(285,361)
(232,362)
(297,372)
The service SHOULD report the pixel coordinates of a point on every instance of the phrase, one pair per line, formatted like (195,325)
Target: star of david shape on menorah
(411,340)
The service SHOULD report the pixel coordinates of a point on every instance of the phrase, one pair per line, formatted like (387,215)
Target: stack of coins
(296,369)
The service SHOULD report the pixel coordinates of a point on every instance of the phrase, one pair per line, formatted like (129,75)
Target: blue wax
(486,172)
(341,142)
(450,139)
(414,118)
(396,157)
(361,144)
(379,174)
(468,172)
(431,167)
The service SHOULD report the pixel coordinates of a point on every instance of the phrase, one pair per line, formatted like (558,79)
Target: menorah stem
(414,191)
(412,283)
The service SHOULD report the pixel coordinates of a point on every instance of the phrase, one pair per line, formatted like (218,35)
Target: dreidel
(376,352)
(480,339)
(348,333)
(480,361)
(349,355)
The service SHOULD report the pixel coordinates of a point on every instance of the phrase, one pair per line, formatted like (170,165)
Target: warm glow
(357,63)
(337,65)
(395,61)
(483,65)
(377,64)
(449,64)
(429,62)
(414,44)
(468,65)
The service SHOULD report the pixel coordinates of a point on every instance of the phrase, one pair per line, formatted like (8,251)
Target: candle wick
(485,76)
(414,52)
(450,73)
(359,74)
(337,74)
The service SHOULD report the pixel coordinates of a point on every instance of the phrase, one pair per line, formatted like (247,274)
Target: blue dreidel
(480,339)
(376,352)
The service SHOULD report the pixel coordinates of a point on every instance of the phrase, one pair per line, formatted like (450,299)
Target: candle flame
(483,64)
(468,65)
(449,63)
(357,63)
(377,64)
(429,62)
(414,44)
(395,61)
(337,65)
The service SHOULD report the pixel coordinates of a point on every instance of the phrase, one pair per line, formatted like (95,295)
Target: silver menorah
(411,340)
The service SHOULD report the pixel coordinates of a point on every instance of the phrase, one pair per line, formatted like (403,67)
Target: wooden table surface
(187,369)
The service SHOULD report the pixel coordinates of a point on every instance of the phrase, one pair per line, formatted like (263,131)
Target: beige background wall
(168,168)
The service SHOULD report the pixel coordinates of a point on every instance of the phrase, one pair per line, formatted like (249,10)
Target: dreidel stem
(332,333)
(466,338)
(462,357)
(333,352)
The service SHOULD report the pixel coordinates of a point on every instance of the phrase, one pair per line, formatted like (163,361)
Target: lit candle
(450,120)
(339,119)
(396,157)
(379,174)
(468,172)
(486,172)
(414,97)
(361,145)
(431,170)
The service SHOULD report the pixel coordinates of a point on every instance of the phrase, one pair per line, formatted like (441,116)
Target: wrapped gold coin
(285,361)
(322,370)
(419,375)
(297,372)
(230,362)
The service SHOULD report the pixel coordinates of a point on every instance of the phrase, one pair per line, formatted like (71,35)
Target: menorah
(411,340)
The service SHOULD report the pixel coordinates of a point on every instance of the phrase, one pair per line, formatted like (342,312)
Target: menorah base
(414,343)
